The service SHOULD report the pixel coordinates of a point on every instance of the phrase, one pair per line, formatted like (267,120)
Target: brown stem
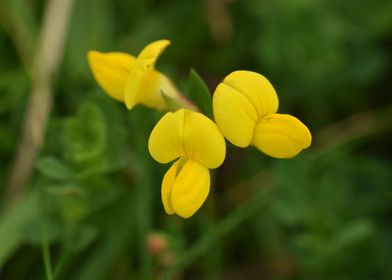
(47,60)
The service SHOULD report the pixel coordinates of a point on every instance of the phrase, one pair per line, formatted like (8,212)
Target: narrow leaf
(199,93)
(54,168)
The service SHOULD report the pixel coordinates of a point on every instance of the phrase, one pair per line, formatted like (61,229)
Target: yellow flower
(132,79)
(245,106)
(197,144)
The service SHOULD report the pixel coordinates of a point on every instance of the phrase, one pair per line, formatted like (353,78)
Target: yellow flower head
(245,106)
(197,144)
(132,79)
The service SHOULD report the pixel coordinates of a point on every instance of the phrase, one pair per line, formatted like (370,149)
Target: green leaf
(199,93)
(54,168)
(85,134)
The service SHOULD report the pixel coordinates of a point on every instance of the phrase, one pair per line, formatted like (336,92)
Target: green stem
(45,251)
(63,259)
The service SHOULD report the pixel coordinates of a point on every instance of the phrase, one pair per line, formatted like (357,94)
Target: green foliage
(199,93)
(84,135)
(322,215)
(54,168)
(14,224)
(15,85)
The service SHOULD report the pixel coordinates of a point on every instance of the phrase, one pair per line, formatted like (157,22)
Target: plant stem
(45,251)
(45,65)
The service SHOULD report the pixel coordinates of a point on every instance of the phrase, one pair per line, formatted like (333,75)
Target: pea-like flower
(197,144)
(245,106)
(132,79)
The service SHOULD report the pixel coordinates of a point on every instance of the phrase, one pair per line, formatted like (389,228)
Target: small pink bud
(156,243)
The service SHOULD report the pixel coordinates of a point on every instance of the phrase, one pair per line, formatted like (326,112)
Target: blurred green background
(93,202)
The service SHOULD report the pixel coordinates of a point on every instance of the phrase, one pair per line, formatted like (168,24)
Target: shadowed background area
(81,194)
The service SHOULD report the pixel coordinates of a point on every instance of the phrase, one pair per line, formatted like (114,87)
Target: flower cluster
(244,105)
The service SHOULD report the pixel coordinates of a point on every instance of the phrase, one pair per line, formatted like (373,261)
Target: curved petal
(281,136)
(145,86)
(202,140)
(234,115)
(185,133)
(167,186)
(190,188)
(166,139)
(256,88)
(134,84)
(152,51)
(111,70)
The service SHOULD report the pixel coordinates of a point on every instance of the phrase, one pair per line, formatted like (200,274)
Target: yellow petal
(153,85)
(234,115)
(152,51)
(190,188)
(281,136)
(167,186)
(189,134)
(133,84)
(202,140)
(256,88)
(146,88)
(239,101)
(111,71)
(165,143)
(144,84)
